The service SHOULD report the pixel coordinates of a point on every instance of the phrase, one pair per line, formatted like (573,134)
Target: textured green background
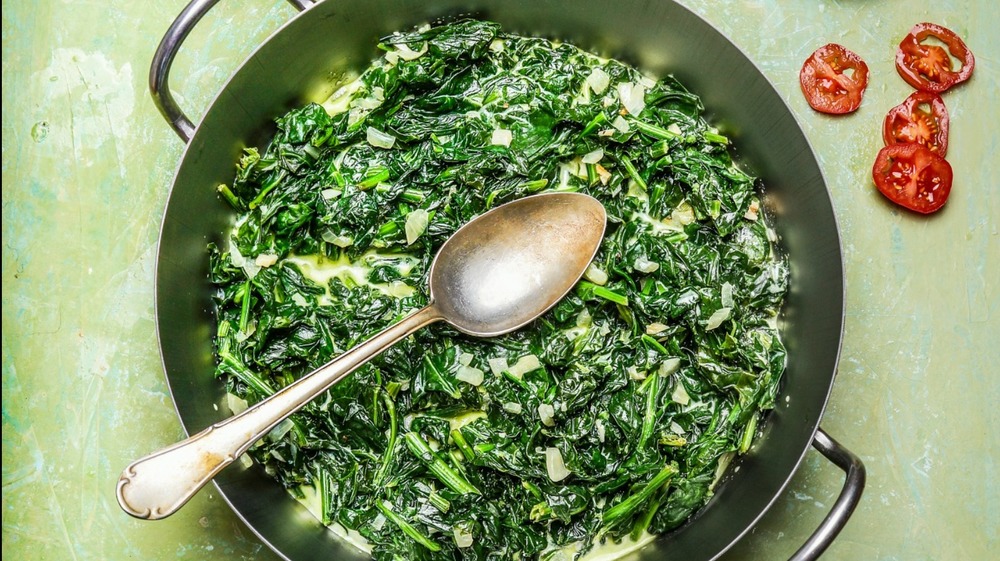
(86,166)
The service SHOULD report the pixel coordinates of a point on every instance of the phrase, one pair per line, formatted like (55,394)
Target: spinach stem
(654,131)
(463,445)
(451,478)
(406,527)
(245,307)
(597,121)
(715,137)
(267,188)
(244,374)
(632,172)
(628,507)
(654,345)
(643,522)
(230,197)
(602,292)
(649,418)
(390,407)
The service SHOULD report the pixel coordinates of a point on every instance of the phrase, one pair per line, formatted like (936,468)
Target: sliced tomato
(927,66)
(913,177)
(922,119)
(834,79)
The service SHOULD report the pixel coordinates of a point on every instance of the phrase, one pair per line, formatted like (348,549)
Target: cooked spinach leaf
(606,418)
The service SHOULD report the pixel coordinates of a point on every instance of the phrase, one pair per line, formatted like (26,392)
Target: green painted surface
(87,162)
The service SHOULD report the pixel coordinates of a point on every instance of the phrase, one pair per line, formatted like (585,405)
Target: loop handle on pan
(850,495)
(159,71)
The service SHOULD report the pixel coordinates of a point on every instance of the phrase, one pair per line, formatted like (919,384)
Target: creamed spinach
(610,416)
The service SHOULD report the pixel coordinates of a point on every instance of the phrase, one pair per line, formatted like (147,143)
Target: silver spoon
(494,275)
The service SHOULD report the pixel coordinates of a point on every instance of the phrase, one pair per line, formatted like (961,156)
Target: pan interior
(661,37)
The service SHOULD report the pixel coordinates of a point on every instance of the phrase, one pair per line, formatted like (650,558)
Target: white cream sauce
(355,273)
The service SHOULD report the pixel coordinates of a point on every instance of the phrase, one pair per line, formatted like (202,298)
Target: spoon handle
(158,485)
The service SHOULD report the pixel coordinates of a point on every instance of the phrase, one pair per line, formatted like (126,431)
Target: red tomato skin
(826,87)
(913,177)
(911,54)
(904,112)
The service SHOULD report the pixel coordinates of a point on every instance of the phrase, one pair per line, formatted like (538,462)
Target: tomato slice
(833,79)
(913,177)
(922,119)
(928,67)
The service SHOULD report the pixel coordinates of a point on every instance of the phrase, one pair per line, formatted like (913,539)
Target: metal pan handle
(850,495)
(159,71)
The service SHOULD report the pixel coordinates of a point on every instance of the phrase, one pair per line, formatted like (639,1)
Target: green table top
(87,161)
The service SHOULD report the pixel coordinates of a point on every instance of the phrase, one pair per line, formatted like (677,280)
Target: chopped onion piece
(680,395)
(235,257)
(684,213)
(554,464)
(644,265)
(465,359)
(632,97)
(636,191)
(368,103)
(463,535)
(604,174)
(656,328)
(330,193)
(635,374)
(621,124)
(236,404)
(675,129)
(251,329)
(355,115)
(380,139)
(547,414)
(251,269)
(265,260)
(716,319)
(524,365)
(498,365)
(669,366)
(497,45)
(416,225)
(752,211)
(502,137)
(337,240)
(595,274)
(280,430)
(246,461)
(406,53)
(593,157)
(598,80)
(512,407)
(727,295)
(599,425)
(470,375)
(575,167)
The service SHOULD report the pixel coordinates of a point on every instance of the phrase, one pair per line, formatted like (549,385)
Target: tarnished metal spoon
(494,275)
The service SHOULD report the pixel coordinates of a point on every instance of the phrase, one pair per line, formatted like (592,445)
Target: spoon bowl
(495,274)
(510,265)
